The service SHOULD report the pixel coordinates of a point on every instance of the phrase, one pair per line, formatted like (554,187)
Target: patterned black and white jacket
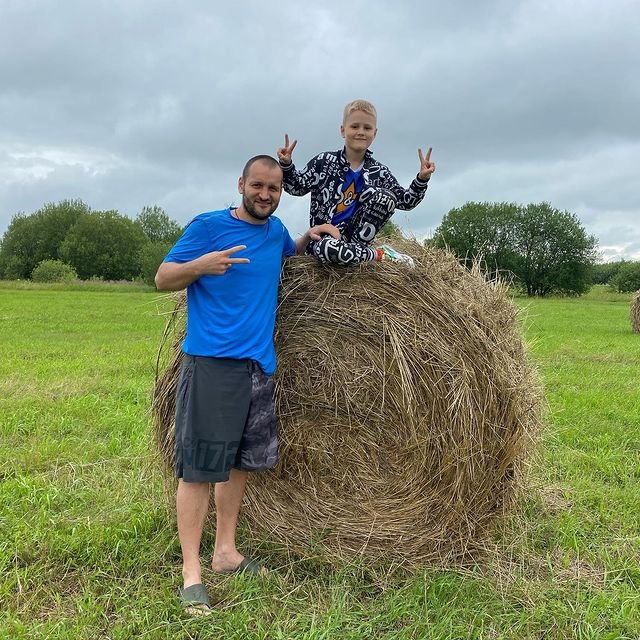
(324,174)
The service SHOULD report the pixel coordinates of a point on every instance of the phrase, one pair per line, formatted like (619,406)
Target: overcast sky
(125,103)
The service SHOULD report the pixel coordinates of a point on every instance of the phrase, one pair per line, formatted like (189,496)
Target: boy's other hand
(426,166)
(285,153)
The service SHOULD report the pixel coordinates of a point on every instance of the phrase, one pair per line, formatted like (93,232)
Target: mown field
(88,546)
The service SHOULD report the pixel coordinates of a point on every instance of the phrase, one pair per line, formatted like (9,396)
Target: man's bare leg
(228,496)
(192,503)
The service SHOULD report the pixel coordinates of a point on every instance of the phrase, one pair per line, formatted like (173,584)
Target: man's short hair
(359,105)
(268,160)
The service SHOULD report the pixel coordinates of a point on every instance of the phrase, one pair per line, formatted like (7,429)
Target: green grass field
(88,547)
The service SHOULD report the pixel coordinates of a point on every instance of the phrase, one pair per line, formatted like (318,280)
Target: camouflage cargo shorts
(225,419)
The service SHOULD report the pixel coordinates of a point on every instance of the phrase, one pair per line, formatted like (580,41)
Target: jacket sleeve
(299,183)
(407,199)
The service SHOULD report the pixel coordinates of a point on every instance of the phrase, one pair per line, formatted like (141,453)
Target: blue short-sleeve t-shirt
(233,315)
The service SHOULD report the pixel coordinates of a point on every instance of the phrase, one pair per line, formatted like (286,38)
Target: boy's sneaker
(385,252)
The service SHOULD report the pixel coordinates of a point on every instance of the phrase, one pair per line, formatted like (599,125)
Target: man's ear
(241,185)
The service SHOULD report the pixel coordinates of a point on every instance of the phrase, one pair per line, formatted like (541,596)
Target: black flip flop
(195,600)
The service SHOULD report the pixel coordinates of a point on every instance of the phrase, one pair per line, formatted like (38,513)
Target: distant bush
(603,272)
(30,239)
(95,243)
(151,256)
(53,271)
(105,244)
(548,251)
(627,278)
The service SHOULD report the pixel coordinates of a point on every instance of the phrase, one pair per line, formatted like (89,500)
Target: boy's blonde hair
(359,105)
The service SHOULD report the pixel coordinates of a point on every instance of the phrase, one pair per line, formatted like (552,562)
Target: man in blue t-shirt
(229,261)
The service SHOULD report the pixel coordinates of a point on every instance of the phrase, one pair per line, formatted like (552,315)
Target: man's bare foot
(240,564)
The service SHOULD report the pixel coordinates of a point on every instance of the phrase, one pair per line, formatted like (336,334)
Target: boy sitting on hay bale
(353,191)
(229,261)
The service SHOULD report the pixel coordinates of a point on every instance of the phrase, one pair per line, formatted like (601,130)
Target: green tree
(157,225)
(627,278)
(481,231)
(545,249)
(603,272)
(389,230)
(161,233)
(151,255)
(104,244)
(555,253)
(18,244)
(30,239)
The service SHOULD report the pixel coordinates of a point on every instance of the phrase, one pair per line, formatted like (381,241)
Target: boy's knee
(328,250)
(367,232)
(332,251)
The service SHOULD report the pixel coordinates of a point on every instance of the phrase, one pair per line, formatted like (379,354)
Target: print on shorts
(259,445)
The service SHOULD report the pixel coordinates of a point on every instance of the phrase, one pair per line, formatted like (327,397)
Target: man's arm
(173,276)
(316,233)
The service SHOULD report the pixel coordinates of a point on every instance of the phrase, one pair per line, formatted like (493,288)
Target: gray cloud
(127,104)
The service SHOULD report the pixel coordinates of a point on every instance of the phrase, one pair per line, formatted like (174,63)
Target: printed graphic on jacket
(352,187)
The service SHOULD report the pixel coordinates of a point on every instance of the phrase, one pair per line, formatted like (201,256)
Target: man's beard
(253,213)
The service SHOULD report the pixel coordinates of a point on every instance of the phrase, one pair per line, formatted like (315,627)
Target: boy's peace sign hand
(284,153)
(216,263)
(426,166)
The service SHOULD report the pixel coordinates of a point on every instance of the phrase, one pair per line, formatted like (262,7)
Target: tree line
(93,244)
(536,247)
(622,275)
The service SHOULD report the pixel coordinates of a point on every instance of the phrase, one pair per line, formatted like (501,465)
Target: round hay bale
(634,312)
(407,409)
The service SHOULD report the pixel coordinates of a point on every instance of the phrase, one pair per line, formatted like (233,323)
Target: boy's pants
(375,207)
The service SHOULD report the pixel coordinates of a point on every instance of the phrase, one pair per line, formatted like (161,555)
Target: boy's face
(358,131)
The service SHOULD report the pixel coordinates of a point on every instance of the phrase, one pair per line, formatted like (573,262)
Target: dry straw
(407,411)
(634,312)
